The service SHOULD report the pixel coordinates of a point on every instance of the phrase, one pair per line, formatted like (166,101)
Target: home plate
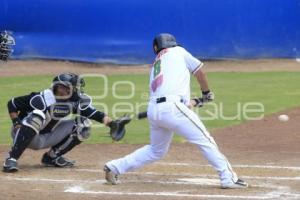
(75,189)
(201,181)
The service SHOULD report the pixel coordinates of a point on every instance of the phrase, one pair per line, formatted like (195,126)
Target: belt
(163,99)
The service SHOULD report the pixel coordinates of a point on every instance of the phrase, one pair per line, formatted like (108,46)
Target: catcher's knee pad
(82,128)
(35,120)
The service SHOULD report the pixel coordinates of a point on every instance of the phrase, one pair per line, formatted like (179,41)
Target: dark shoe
(56,162)
(239,184)
(111,178)
(10,165)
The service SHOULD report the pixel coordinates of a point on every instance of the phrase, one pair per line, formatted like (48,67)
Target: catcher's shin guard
(66,145)
(81,132)
(57,161)
(22,139)
(54,158)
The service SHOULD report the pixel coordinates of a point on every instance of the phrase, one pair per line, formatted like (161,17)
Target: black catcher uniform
(43,121)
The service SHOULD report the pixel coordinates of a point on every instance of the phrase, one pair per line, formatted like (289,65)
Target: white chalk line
(28,179)
(173,194)
(79,189)
(278,191)
(274,194)
(234,166)
(185,181)
(296,178)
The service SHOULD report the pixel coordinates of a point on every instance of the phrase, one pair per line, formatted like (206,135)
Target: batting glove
(199,102)
(208,96)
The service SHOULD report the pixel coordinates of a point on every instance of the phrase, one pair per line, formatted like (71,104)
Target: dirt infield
(266,153)
(40,67)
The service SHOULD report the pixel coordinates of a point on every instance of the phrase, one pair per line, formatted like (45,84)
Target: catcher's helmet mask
(73,82)
(6,43)
(162,41)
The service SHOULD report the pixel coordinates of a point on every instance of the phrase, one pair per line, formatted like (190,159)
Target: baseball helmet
(72,81)
(6,43)
(162,41)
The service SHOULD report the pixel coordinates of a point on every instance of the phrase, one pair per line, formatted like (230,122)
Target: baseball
(283,118)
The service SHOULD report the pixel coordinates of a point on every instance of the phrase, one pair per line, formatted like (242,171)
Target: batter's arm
(207,95)
(202,79)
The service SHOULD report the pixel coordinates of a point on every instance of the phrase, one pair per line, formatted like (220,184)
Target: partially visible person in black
(6,43)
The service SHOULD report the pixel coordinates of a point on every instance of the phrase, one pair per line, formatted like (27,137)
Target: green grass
(275,90)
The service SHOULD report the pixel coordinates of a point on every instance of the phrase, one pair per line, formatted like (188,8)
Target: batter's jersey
(170,73)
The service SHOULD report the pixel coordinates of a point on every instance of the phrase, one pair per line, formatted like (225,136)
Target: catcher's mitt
(117,127)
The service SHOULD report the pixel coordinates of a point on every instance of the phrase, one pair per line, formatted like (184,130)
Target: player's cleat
(56,162)
(10,165)
(239,184)
(110,177)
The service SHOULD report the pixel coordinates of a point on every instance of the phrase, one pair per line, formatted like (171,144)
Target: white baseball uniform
(167,113)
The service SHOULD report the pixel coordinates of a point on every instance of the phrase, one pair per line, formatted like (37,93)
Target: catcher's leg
(79,132)
(30,128)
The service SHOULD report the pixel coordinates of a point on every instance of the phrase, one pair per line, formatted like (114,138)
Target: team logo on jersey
(59,111)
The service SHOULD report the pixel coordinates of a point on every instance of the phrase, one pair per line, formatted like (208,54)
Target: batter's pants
(166,118)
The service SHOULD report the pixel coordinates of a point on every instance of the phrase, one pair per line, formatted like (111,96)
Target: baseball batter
(168,112)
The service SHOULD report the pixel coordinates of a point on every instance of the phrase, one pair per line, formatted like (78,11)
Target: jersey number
(157,76)
(157,68)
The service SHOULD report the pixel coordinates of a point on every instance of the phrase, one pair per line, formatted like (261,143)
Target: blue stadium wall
(121,31)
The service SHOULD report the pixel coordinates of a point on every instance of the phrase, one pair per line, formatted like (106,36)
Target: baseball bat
(142,115)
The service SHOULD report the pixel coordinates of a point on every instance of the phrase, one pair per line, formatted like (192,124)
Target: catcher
(40,121)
